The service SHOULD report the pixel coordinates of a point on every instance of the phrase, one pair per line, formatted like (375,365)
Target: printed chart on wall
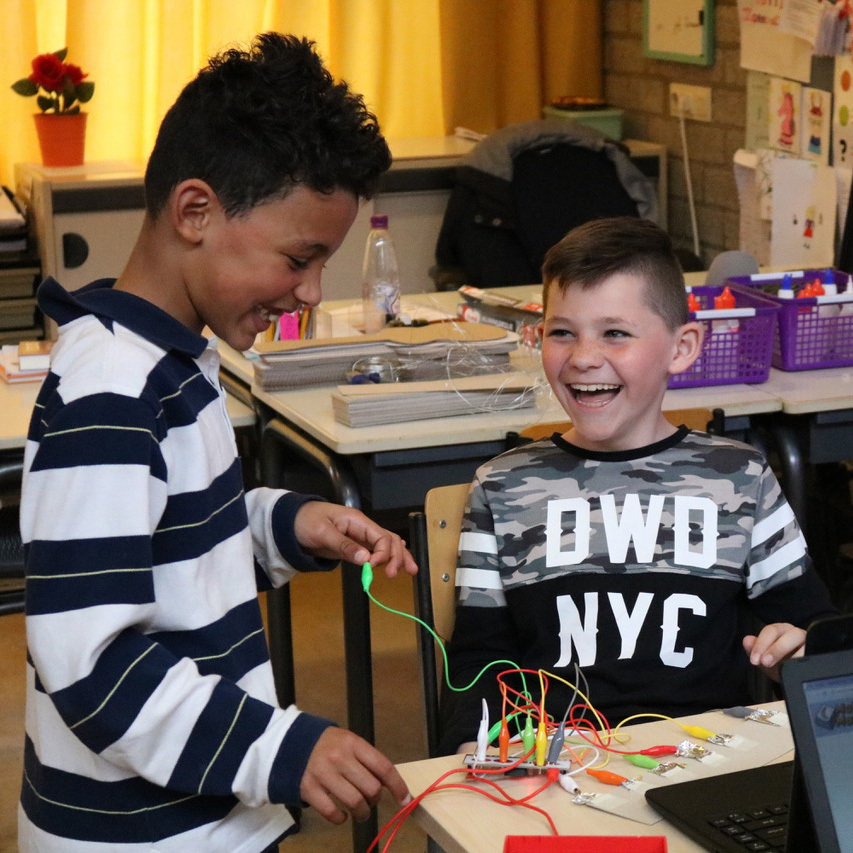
(842,113)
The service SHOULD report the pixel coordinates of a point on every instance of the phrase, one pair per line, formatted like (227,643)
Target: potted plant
(60,88)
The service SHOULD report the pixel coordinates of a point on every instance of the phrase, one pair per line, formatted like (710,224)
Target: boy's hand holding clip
(342,533)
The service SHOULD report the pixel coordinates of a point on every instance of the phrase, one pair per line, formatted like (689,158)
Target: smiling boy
(152,721)
(641,551)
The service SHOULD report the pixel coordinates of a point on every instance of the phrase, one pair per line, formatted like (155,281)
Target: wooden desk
(16,404)
(465,822)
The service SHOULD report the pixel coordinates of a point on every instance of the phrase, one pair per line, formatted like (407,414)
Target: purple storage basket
(810,334)
(732,357)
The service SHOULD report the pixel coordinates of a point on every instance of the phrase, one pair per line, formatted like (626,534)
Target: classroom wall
(640,86)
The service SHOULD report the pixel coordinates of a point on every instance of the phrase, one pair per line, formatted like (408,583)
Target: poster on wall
(816,112)
(784,115)
(765,46)
(804,214)
(842,113)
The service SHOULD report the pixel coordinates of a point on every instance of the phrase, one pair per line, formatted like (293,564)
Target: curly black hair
(255,123)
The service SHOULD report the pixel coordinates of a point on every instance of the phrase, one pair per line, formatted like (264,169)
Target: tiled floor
(318,640)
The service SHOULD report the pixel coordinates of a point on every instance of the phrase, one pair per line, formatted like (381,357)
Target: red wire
(504,800)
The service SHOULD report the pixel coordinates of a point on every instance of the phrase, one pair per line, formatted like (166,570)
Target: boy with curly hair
(152,721)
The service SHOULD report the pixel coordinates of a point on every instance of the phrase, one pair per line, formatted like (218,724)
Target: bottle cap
(725,300)
(379,220)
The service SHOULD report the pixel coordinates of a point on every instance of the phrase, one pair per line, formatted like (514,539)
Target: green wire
(367,580)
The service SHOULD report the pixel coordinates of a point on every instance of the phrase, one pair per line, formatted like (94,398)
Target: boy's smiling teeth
(598,387)
(594,393)
(266,314)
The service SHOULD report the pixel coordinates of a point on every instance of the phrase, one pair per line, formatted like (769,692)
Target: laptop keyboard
(758,830)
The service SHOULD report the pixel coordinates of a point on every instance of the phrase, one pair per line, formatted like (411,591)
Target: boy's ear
(688,346)
(191,205)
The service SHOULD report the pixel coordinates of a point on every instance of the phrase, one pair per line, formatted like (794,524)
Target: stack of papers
(372,405)
(406,353)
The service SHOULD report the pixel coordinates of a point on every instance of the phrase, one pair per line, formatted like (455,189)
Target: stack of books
(28,361)
(405,353)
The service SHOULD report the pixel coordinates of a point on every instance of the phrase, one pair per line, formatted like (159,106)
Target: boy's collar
(132,312)
(622,455)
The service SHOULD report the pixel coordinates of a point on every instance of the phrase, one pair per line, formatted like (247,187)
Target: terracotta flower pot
(62,138)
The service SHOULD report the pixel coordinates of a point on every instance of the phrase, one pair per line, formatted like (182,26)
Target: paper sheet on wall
(757,106)
(785,115)
(816,113)
(801,18)
(754,236)
(765,47)
(804,214)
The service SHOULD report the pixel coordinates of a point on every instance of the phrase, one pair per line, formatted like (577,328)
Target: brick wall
(640,86)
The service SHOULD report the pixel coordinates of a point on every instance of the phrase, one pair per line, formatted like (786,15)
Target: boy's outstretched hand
(342,533)
(345,774)
(774,644)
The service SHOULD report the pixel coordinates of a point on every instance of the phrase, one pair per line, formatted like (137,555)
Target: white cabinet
(85,218)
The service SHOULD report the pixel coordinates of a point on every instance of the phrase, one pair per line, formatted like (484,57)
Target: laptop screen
(819,696)
(830,704)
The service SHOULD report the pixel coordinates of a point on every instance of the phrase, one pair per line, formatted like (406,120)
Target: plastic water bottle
(380,289)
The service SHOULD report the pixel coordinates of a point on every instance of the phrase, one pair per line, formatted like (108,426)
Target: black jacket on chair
(523,188)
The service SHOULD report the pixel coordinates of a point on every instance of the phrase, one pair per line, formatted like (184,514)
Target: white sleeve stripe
(777,561)
(482,543)
(765,528)
(478,578)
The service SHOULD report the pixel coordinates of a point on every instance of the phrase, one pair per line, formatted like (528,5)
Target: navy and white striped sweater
(151,714)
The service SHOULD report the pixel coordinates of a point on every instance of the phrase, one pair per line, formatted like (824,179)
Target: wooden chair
(706,420)
(434,540)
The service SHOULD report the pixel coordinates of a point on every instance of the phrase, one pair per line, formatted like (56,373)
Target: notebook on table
(801,806)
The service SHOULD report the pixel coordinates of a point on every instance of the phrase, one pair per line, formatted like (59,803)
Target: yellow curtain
(424,66)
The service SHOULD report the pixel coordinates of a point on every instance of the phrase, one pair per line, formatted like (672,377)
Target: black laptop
(804,806)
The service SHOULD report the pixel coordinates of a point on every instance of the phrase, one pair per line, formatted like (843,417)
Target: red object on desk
(584,844)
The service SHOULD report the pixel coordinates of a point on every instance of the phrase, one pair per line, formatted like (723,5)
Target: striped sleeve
(478,578)
(778,550)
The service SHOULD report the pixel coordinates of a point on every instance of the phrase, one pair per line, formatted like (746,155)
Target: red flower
(74,73)
(48,72)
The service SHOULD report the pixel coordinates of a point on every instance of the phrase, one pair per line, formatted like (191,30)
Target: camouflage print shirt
(646,568)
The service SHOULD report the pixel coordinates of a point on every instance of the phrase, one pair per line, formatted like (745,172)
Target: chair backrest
(11,547)
(706,420)
(730,264)
(434,540)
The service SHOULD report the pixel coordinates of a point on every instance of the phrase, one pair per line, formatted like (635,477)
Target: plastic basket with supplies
(738,340)
(815,326)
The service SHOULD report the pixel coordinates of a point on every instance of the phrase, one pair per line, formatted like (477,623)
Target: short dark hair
(255,123)
(600,248)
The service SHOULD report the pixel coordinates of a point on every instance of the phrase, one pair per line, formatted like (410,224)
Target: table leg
(281,446)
